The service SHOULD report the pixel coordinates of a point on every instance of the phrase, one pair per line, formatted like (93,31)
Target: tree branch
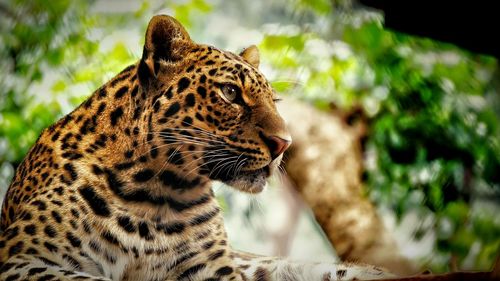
(325,164)
(454,276)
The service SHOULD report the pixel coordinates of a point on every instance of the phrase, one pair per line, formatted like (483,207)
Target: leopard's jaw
(250,183)
(255,181)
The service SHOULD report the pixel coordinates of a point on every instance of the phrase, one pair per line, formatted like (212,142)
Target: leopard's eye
(230,92)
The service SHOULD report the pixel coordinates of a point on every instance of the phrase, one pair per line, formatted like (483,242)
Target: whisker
(174,133)
(223,163)
(236,165)
(211,160)
(165,145)
(177,141)
(229,163)
(196,129)
(240,167)
(184,137)
(176,150)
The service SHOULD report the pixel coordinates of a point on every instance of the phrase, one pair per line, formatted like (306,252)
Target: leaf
(59,86)
(457,211)
(280,42)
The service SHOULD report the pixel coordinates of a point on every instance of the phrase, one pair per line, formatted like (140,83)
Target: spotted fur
(119,189)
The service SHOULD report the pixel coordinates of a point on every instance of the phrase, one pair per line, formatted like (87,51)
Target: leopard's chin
(254,181)
(251,181)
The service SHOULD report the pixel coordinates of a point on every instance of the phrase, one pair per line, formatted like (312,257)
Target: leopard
(121,187)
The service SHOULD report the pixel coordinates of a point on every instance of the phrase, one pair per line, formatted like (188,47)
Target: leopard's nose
(277,145)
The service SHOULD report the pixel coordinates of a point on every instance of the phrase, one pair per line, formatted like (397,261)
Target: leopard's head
(213,112)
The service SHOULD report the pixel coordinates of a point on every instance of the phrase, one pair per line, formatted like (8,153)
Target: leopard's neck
(146,176)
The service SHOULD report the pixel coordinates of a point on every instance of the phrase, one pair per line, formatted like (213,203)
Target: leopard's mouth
(266,171)
(253,181)
(243,178)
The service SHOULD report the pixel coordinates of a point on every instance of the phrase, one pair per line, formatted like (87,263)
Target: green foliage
(36,36)
(432,146)
(437,127)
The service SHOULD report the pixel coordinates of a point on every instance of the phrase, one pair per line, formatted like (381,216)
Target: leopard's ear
(166,40)
(251,55)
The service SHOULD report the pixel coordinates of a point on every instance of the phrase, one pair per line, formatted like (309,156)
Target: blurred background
(422,116)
